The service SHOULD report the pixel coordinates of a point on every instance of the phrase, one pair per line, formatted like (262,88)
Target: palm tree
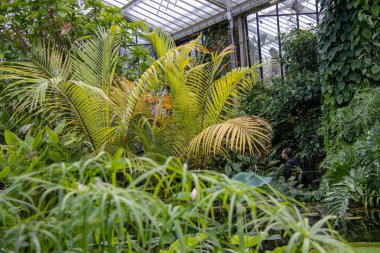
(82,88)
(203,119)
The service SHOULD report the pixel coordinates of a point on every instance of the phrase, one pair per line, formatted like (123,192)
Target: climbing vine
(349,42)
(349,46)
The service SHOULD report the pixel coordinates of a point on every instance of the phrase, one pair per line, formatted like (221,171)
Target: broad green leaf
(11,138)
(249,241)
(58,129)
(53,137)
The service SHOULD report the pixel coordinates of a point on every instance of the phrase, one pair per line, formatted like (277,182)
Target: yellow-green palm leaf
(245,135)
(94,59)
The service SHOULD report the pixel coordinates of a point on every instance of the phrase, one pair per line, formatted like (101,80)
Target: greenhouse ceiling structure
(253,26)
(183,17)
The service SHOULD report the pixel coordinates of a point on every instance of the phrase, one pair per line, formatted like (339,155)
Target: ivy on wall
(349,46)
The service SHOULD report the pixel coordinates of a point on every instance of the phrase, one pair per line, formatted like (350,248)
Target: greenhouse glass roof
(183,17)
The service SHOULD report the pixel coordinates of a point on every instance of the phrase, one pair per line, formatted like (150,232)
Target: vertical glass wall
(265,27)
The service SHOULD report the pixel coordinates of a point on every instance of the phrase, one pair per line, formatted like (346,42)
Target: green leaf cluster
(33,152)
(352,164)
(23,22)
(349,45)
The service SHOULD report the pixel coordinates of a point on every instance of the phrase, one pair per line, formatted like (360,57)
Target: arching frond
(224,94)
(94,59)
(33,80)
(243,135)
(127,102)
(162,42)
(85,107)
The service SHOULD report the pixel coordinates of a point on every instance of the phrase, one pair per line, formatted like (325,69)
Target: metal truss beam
(218,3)
(130,4)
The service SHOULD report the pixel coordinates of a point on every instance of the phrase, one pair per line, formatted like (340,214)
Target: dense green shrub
(39,149)
(25,21)
(292,105)
(348,40)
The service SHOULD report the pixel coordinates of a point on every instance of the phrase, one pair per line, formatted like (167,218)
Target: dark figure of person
(290,162)
(2,186)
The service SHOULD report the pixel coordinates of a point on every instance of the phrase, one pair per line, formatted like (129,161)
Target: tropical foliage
(100,157)
(353,164)
(83,90)
(349,46)
(23,22)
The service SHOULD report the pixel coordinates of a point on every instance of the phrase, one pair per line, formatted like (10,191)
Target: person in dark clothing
(290,162)
(2,186)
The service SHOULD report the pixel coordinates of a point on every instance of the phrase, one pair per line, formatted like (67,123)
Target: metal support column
(230,18)
(259,46)
(243,45)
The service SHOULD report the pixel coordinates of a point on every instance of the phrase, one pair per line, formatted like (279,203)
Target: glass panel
(268,11)
(309,5)
(308,21)
(164,18)
(174,15)
(287,7)
(252,39)
(269,46)
(114,3)
(153,19)
(287,23)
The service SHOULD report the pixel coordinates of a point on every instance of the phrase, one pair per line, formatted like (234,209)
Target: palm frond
(85,107)
(94,59)
(162,42)
(157,142)
(32,81)
(224,93)
(51,59)
(244,135)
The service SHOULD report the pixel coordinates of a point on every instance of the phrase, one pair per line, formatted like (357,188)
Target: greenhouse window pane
(268,11)
(268,25)
(297,6)
(152,19)
(253,40)
(269,46)
(173,16)
(117,3)
(286,7)
(308,21)
(309,6)
(287,23)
